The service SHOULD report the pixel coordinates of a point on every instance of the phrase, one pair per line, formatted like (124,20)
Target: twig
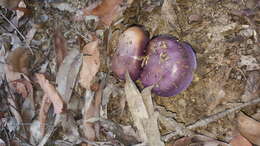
(173,124)
(215,117)
(6,19)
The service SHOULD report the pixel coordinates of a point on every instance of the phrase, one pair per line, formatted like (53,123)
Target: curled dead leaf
(22,86)
(249,128)
(91,63)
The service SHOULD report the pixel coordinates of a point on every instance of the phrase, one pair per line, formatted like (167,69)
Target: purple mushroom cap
(130,52)
(169,66)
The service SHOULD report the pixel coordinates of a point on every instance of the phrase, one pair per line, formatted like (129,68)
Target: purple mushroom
(130,52)
(169,65)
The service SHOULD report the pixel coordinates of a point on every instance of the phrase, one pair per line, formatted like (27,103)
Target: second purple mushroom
(169,65)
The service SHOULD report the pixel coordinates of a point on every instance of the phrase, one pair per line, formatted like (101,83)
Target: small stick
(6,19)
(212,118)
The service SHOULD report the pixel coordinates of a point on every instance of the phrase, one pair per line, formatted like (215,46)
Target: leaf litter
(224,38)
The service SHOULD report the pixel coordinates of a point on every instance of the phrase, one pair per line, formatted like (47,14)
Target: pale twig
(23,37)
(212,118)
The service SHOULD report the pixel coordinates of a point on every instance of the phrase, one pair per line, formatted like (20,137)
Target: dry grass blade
(51,92)
(91,63)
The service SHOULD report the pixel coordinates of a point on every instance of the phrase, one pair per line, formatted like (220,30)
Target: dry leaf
(240,141)
(51,93)
(60,46)
(23,87)
(107,10)
(249,128)
(91,63)
(45,105)
(19,60)
(198,140)
(92,109)
(67,74)
(142,111)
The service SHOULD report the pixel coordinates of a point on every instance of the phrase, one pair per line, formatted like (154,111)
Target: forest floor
(57,86)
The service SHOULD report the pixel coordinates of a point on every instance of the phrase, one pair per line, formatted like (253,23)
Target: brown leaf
(249,128)
(19,60)
(60,46)
(107,10)
(91,63)
(45,105)
(240,141)
(51,92)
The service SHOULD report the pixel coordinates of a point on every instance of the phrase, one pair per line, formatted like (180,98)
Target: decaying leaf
(19,60)
(60,46)
(107,10)
(67,74)
(240,141)
(23,87)
(91,63)
(45,105)
(51,93)
(249,128)
(198,140)
(142,111)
